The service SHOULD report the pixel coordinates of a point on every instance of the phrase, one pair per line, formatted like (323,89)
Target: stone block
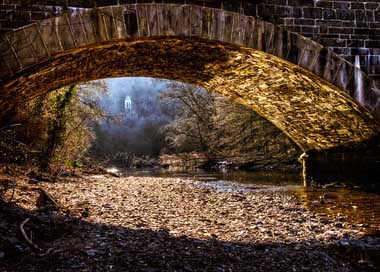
(370,15)
(324,4)
(101,3)
(356,5)
(294,47)
(105,24)
(37,16)
(294,28)
(371,99)
(22,48)
(117,27)
(284,11)
(65,32)
(166,21)
(329,14)
(249,31)
(314,13)
(234,6)
(266,11)
(341,30)
(345,14)
(304,22)
(8,57)
(40,50)
(372,5)
(5,15)
(306,3)
(206,24)
(238,31)
(186,20)
(258,33)
(50,36)
(310,52)
(228,27)
(344,75)
(142,20)
(100,23)
(88,27)
(333,42)
(269,44)
(370,96)
(78,30)
(21,15)
(332,67)
(342,5)
(280,40)
(146,21)
(359,51)
(131,21)
(196,21)
(321,61)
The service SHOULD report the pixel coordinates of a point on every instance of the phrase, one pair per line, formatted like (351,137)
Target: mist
(136,117)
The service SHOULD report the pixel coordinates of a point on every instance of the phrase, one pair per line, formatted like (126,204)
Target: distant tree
(57,126)
(194,109)
(217,126)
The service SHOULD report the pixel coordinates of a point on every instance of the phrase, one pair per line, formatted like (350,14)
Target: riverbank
(98,223)
(194,160)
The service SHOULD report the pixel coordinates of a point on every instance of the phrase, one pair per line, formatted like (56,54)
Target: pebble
(92,252)
(174,208)
(344,242)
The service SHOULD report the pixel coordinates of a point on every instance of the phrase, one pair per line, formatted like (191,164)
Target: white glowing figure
(128,103)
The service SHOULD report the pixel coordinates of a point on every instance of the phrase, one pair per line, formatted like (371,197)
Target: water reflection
(271,178)
(352,206)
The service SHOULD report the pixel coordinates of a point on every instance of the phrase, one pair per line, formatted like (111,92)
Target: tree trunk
(56,129)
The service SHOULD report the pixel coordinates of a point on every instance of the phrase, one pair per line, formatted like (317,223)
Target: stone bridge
(350,28)
(320,100)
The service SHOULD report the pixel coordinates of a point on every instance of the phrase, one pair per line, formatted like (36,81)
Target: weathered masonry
(303,88)
(350,28)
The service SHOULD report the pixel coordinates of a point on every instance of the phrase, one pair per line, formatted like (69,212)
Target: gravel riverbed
(171,224)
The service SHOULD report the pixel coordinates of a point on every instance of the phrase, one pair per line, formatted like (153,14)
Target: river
(358,204)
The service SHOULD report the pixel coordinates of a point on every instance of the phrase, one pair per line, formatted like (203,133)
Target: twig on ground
(33,245)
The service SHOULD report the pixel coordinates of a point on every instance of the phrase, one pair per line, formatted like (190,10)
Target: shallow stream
(358,204)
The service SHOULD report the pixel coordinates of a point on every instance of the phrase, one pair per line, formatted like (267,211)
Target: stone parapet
(283,76)
(350,28)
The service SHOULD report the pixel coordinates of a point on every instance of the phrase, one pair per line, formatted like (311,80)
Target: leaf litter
(104,223)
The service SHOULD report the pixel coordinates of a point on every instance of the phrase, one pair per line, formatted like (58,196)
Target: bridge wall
(125,41)
(349,28)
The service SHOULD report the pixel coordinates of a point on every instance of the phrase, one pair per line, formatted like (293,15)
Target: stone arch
(239,56)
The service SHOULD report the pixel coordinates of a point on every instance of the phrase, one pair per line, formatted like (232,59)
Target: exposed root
(27,239)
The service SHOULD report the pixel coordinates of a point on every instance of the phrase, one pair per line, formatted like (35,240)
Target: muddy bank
(172,224)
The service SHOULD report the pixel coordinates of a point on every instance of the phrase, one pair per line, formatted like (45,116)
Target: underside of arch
(315,114)
(30,45)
